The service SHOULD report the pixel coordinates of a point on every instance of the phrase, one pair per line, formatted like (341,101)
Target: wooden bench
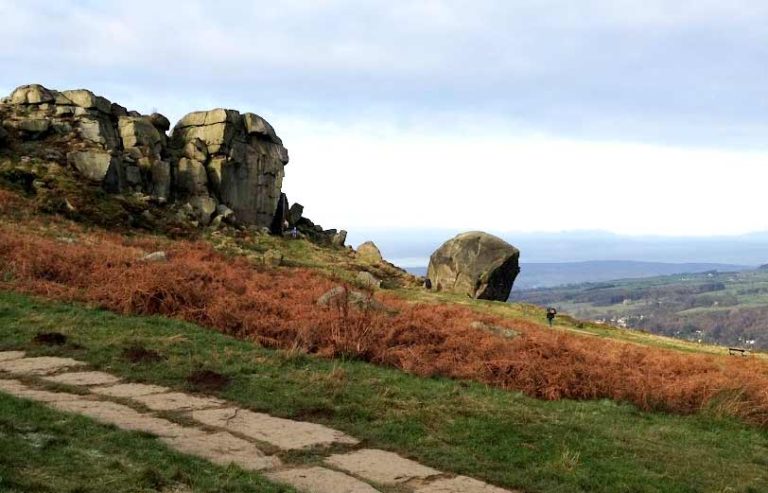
(736,350)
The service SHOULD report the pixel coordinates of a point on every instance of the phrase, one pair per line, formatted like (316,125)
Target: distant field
(544,275)
(714,307)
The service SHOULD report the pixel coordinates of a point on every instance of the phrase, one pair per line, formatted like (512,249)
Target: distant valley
(728,308)
(550,274)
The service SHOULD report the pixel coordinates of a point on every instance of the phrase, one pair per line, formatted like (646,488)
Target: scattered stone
(9,355)
(496,329)
(477,264)
(84,378)
(460,484)
(129,390)
(92,165)
(320,480)
(155,257)
(204,207)
(223,448)
(338,296)
(369,252)
(339,239)
(283,433)
(226,214)
(42,365)
(294,213)
(177,401)
(368,280)
(50,339)
(381,467)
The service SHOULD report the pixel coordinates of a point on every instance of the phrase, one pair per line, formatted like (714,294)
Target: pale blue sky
(634,116)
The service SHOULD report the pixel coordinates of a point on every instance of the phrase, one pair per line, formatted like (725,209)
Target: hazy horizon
(411,247)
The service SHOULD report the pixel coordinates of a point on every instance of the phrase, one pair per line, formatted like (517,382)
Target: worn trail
(225,433)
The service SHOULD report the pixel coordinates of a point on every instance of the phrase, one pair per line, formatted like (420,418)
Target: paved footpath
(227,433)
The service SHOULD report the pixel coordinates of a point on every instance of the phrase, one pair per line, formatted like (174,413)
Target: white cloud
(473,114)
(367,177)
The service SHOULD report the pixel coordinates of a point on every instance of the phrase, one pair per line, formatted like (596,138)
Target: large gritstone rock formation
(217,162)
(476,264)
(229,158)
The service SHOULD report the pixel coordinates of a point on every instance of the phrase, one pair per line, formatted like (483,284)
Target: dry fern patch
(277,308)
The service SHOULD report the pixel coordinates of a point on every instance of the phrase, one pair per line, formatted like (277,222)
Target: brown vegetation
(277,308)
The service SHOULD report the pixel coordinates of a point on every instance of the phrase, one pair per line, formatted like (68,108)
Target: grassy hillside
(728,308)
(474,387)
(500,436)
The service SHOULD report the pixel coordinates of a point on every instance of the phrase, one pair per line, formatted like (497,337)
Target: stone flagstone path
(228,434)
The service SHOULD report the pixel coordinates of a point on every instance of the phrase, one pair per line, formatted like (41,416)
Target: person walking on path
(551,312)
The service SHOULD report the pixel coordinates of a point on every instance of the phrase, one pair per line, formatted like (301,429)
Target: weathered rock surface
(213,158)
(477,264)
(369,252)
(242,158)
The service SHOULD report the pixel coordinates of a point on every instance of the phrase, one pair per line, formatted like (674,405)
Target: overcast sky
(631,116)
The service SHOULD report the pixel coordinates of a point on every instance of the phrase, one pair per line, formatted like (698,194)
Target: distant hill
(729,308)
(551,274)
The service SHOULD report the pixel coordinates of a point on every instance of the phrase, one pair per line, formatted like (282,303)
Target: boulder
(154,257)
(31,94)
(160,122)
(294,213)
(204,207)
(369,252)
(340,296)
(225,213)
(84,98)
(137,132)
(3,136)
(477,264)
(93,165)
(339,238)
(243,158)
(368,280)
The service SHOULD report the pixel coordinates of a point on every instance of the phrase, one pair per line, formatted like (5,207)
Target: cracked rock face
(477,264)
(214,159)
(238,160)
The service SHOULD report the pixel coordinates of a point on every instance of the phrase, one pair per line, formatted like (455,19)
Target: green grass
(502,437)
(44,451)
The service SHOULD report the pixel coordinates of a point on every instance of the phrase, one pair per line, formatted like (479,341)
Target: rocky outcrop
(233,159)
(213,159)
(369,252)
(477,264)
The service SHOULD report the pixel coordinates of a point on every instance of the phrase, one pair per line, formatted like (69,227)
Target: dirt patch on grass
(50,339)
(138,354)
(207,380)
